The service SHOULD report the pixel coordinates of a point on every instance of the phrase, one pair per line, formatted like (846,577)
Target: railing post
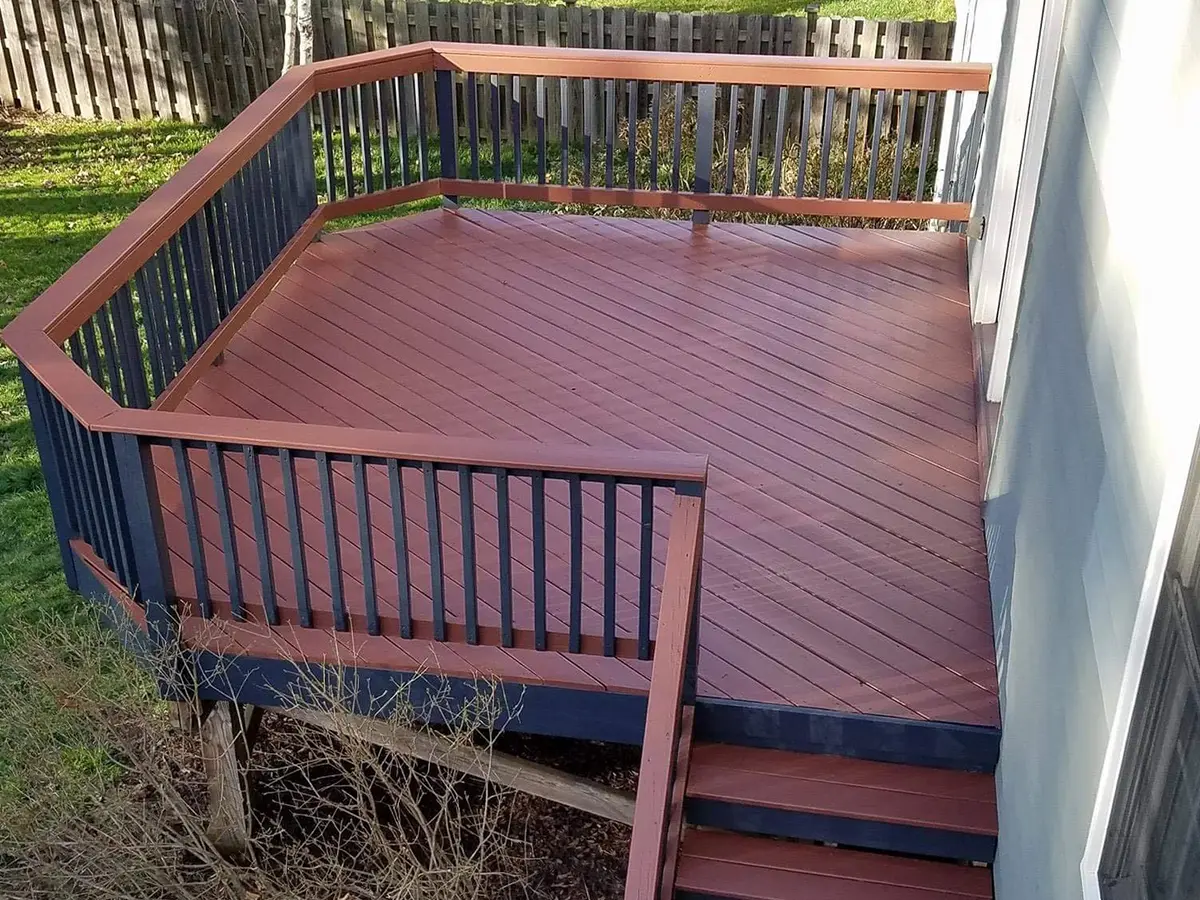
(447,131)
(693,489)
(143,512)
(51,458)
(706,110)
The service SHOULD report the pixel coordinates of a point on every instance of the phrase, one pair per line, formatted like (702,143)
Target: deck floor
(827,373)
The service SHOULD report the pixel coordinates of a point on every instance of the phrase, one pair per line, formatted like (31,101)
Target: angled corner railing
(198,517)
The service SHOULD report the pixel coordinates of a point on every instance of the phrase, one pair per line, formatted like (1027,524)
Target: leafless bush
(334,815)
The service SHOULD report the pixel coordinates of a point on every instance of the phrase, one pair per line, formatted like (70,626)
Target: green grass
(63,185)
(910,10)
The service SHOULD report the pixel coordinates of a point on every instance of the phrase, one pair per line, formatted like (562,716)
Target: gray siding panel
(1076,487)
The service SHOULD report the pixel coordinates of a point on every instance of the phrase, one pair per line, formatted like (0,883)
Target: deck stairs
(770,824)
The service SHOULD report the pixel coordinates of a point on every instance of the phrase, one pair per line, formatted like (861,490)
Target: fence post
(143,512)
(706,109)
(447,131)
(51,459)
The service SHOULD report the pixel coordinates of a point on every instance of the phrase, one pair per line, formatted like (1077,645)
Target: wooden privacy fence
(205,60)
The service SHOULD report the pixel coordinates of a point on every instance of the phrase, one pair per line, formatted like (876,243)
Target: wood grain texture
(857,789)
(752,868)
(826,372)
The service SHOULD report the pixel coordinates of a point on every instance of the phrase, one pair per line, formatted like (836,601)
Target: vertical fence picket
(191,521)
(333,555)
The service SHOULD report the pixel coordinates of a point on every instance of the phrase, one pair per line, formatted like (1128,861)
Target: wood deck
(826,372)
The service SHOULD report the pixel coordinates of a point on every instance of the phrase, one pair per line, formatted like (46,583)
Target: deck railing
(184,515)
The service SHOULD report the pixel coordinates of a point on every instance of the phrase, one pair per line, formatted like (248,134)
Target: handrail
(713,68)
(668,693)
(443,449)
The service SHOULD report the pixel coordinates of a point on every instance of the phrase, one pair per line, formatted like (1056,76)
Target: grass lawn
(63,186)
(939,10)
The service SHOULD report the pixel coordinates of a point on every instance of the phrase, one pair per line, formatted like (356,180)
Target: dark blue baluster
(646,570)
(239,233)
(540,109)
(515,123)
(154,329)
(111,362)
(564,127)
(337,589)
(706,110)
(94,366)
(576,616)
(402,128)
(110,490)
(400,534)
(347,146)
(437,575)
(277,197)
(385,138)
(504,545)
(363,509)
(133,369)
(62,425)
(219,256)
(473,123)
(258,512)
(610,566)
(756,113)
(677,138)
(203,298)
(364,137)
(52,454)
(422,126)
(589,113)
(327,146)
(655,116)
(631,142)
(135,469)
(174,333)
(447,129)
(296,537)
(187,489)
(466,499)
(233,574)
(538,506)
(183,296)
(731,138)
(610,129)
(495,97)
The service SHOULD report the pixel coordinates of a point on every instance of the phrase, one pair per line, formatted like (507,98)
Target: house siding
(1092,419)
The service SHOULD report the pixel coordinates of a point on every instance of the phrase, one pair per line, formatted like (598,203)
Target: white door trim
(1042,79)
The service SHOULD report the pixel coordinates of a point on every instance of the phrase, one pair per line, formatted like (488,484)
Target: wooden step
(716,864)
(885,806)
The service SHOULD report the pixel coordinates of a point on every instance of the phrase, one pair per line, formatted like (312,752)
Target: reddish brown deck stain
(826,372)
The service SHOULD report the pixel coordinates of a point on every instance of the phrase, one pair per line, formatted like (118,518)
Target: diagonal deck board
(826,372)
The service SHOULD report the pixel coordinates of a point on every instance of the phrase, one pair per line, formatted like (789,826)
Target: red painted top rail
(714,68)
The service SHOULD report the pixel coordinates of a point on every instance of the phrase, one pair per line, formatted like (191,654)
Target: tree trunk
(304,27)
(289,34)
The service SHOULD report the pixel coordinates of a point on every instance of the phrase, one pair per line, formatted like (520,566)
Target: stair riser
(942,745)
(908,839)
